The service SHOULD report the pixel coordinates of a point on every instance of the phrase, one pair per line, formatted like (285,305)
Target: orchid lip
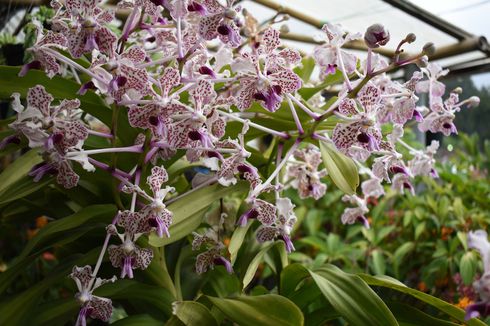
(224,262)
(224,29)
(28,66)
(250,214)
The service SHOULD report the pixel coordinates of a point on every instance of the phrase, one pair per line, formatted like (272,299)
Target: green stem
(166,278)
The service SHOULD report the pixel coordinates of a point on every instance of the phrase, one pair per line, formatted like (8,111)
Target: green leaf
(352,297)
(151,299)
(467,267)
(59,227)
(262,310)
(193,314)
(237,240)
(400,254)
(441,305)
(308,92)
(379,263)
(419,230)
(408,315)
(57,312)
(291,276)
(17,170)
(17,310)
(22,188)
(54,232)
(307,66)
(138,320)
(59,87)
(341,169)
(254,264)
(187,217)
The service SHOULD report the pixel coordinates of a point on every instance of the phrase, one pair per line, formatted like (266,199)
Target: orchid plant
(193,110)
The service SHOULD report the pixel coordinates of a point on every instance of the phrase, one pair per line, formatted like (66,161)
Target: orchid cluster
(182,73)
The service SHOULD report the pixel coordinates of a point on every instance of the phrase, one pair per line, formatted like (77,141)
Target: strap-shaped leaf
(55,232)
(138,320)
(261,310)
(259,257)
(352,297)
(194,314)
(237,240)
(341,169)
(443,306)
(408,315)
(291,276)
(17,170)
(18,310)
(332,79)
(59,87)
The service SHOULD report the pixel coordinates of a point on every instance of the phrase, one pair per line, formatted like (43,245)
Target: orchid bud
(457,90)
(473,101)
(429,48)
(410,38)
(230,13)
(376,35)
(284,29)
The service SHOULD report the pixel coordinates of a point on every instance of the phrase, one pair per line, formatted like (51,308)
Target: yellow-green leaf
(341,169)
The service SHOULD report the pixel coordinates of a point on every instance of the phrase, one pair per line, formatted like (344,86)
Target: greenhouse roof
(456,47)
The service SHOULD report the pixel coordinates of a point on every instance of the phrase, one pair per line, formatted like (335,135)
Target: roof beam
(429,18)
(292,12)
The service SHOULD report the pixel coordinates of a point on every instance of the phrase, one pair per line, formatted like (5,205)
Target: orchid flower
(128,255)
(282,226)
(305,174)
(330,56)
(266,75)
(92,306)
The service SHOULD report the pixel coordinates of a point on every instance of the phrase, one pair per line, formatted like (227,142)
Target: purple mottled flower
(330,56)
(156,212)
(92,306)
(362,129)
(281,228)
(218,21)
(305,174)
(353,215)
(270,83)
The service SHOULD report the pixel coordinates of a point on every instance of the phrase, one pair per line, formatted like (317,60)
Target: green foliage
(341,168)
(420,240)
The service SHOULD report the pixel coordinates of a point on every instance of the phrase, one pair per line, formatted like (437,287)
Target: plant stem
(72,63)
(167,279)
(262,186)
(100,134)
(129,149)
(303,107)
(295,117)
(254,125)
